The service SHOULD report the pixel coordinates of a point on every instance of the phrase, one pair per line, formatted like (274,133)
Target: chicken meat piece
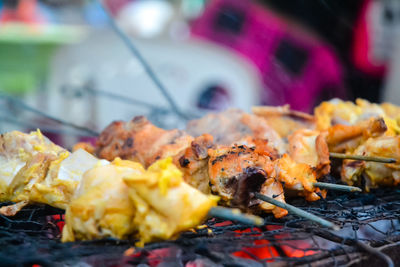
(336,111)
(35,170)
(165,204)
(310,147)
(232,126)
(193,162)
(101,207)
(274,189)
(233,172)
(284,120)
(123,200)
(190,155)
(140,141)
(373,174)
(346,138)
(386,111)
(16,150)
(392,111)
(299,177)
(237,172)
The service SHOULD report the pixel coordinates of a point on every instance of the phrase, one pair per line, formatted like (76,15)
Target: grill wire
(369,224)
(32,237)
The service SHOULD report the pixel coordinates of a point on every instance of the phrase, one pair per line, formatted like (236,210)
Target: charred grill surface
(32,237)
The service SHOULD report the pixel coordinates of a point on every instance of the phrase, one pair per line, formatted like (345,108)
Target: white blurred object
(391,90)
(145,18)
(388,43)
(187,69)
(383,19)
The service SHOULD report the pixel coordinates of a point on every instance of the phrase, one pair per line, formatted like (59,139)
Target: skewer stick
(235,215)
(338,187)
(335,187)
(359,157)
(297,211)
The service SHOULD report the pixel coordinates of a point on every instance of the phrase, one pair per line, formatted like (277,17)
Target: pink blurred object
(297,67)
(116,5)
(26,11)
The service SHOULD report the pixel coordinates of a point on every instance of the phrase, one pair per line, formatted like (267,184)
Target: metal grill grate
(32,237)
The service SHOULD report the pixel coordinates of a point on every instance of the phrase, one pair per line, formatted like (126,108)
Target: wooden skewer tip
(235,215)
(338,187)
(297,211)
(364,158)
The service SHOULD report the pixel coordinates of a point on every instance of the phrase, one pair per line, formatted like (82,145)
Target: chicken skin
(123,200)
(35,170)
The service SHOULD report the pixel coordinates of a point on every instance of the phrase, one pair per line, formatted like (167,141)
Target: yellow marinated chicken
(392,111)
(310,147)
(375,174)
(366,129)
(165,204)
(101,206)
(336,111)
(385,110)
(123,200)
(346,138)
(17,149)
(35,170)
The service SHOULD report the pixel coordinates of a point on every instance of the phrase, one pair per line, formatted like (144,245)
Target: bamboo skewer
(335,187)
(297,211)
(364,158)
(338,187)
(235,215)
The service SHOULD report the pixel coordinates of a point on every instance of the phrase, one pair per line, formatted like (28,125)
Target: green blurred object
(25,53)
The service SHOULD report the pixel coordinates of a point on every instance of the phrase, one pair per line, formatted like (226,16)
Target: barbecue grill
(370,227)
(370,234)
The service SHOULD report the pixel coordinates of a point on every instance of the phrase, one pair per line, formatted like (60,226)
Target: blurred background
(62,65)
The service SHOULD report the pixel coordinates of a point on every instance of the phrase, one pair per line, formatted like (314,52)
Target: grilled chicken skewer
(234,172)
(374,174)
(236,127)
(33,169)
(102,199)
(123,199)
(365,129)
(305,153)
(362,132)
(338,112)
(192,155)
